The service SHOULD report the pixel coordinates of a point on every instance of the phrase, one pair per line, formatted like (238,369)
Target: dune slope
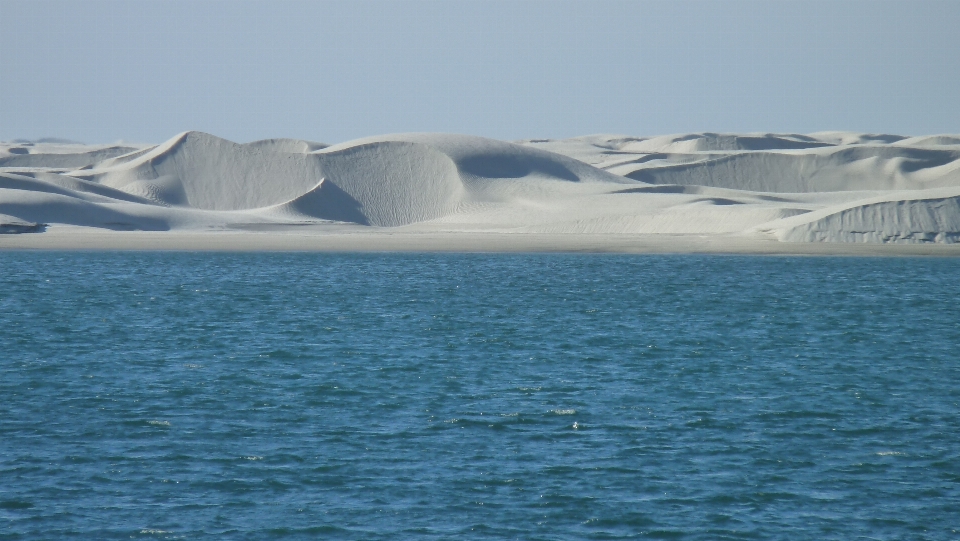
(778,163)
(915,217)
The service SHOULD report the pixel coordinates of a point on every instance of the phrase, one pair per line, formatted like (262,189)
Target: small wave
(564,412)
(159,423)
(890,453)
(253,458)
(152,531)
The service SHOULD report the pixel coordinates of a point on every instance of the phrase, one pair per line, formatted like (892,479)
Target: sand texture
(829,192)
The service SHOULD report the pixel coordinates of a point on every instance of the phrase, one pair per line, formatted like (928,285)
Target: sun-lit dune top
(820,187)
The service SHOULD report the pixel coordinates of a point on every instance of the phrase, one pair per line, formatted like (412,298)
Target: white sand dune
(59,157)
(918,216)
(828,187)
(777,163)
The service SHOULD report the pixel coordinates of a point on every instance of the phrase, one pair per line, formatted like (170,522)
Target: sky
(330,71)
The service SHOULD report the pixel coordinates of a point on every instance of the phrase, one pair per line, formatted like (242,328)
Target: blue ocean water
(302,396)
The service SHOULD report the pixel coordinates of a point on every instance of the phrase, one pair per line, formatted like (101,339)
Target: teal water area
(304,396)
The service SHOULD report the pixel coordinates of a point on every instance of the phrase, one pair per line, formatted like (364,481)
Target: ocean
(445,396)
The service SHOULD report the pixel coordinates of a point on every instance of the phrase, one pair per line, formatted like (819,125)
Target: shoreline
(355,239)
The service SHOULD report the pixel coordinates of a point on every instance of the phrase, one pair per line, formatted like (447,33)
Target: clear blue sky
(140,70)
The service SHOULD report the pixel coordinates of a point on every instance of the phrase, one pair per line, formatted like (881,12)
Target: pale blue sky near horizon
(330,71)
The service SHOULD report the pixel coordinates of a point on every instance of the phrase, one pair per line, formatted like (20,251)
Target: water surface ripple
(286,396)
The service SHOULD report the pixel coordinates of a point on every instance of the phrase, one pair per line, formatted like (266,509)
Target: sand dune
(833,169)
(209,173)
(70,157)
(834,187)
(776,163)
(921,216)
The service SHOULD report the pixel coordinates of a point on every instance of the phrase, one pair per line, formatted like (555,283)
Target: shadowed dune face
(328,202)
(67,185)
(479,158)
(786,163)
(499,166)
(21,157)
(928,141)
(833,169)
(774,143)
(707,142)
(54,208)
(124,158)
(666,188)
(216,174)
(388,183)
(718,201)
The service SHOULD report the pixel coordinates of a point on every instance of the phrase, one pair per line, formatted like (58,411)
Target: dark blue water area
(303,396)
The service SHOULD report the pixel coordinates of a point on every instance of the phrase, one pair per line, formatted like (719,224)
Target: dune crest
(215,174)
(836,187)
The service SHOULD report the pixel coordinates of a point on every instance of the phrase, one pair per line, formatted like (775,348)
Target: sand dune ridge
(823,187)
